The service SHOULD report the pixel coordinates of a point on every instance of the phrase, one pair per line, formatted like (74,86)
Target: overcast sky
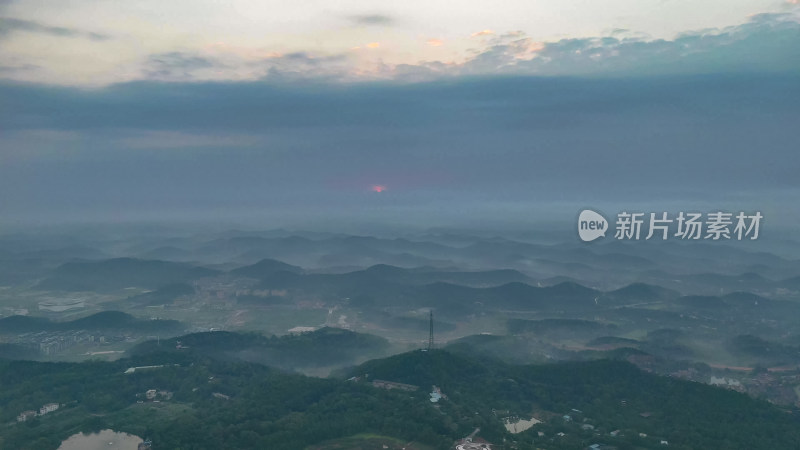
(499,111)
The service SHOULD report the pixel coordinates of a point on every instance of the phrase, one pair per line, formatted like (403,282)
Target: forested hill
(610,395)
(232,404)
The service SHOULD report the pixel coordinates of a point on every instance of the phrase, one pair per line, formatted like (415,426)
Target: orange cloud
(433,42)
(486,32)
(373,45)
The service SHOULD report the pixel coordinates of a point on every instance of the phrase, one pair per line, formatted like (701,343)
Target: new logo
(591,225)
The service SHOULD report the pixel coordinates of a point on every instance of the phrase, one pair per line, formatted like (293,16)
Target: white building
(48,408)
(25,415)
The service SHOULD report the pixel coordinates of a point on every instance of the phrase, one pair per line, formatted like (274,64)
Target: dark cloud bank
(493,147)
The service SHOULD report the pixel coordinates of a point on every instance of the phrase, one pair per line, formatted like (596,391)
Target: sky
(424,112)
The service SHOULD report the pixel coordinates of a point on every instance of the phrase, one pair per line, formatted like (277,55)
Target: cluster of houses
(589,427)
(155,395)
(30,414)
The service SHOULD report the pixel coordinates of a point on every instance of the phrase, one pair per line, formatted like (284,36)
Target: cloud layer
(10,25)
(765,43)
(440,148)
(372,19)
(493,123)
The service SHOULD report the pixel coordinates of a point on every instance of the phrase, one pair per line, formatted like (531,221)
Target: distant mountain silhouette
(266,268)
(107,320)
(120,273)
(323,347)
